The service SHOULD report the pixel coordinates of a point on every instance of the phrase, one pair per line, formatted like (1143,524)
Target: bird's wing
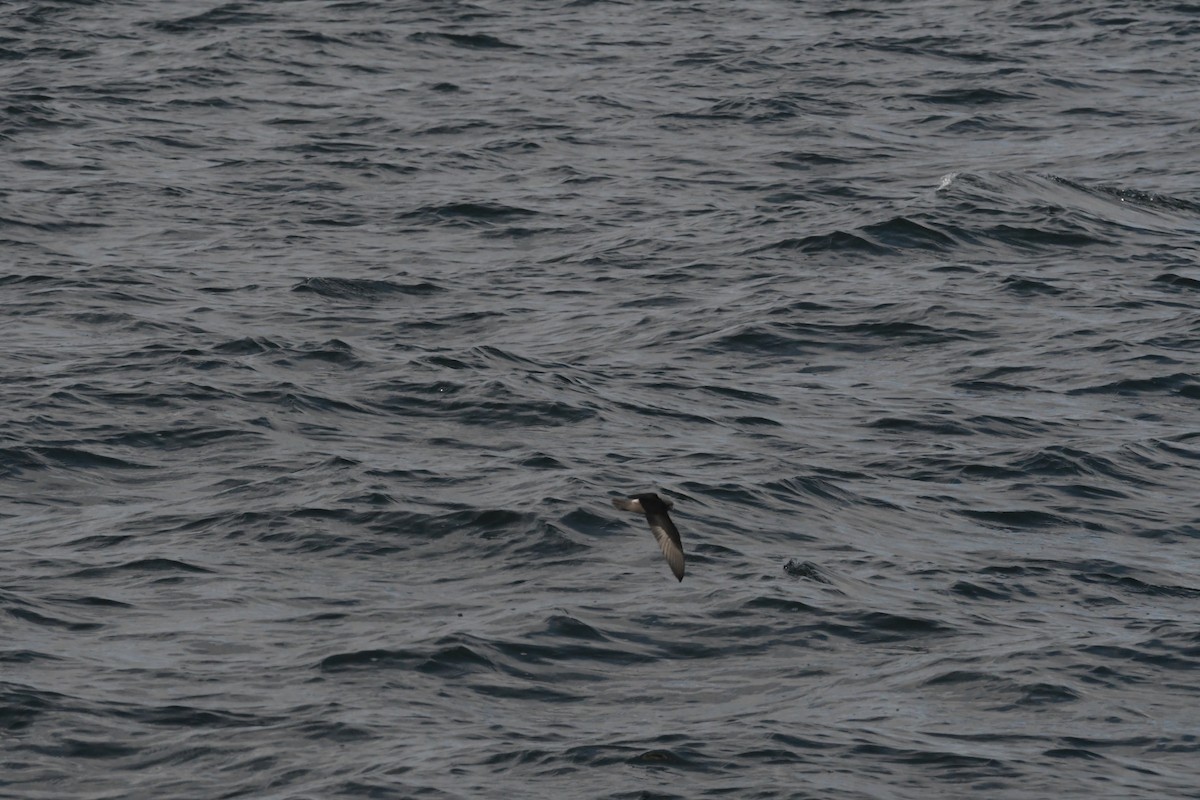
(667,536)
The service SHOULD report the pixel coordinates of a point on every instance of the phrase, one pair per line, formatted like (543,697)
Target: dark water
(331,327)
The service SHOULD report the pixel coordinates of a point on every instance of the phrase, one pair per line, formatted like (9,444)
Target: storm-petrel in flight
(665,533)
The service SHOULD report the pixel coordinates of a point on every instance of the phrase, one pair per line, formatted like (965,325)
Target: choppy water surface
(331,327)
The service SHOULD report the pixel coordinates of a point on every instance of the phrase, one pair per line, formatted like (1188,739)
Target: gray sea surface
(331,328)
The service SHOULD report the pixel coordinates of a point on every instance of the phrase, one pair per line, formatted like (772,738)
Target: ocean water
(331,328)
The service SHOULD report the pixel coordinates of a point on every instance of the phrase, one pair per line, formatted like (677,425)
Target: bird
(665,533)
